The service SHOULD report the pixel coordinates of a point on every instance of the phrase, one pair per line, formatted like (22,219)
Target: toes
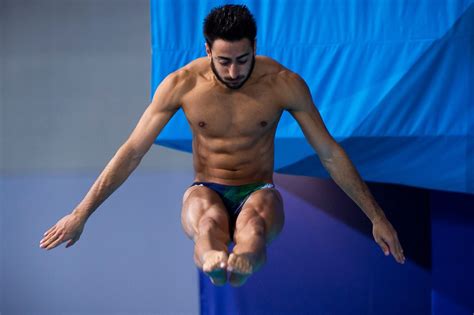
(240,268)
(215,260)
(233,263)
(215,267)
(211,267)
(239,264)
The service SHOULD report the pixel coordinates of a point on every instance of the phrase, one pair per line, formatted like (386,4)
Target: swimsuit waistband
(243,185)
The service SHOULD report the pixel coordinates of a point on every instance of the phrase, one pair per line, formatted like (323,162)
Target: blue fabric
(391,79)
(325,260)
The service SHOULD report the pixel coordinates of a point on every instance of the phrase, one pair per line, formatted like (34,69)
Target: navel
(202,124)
(263,123)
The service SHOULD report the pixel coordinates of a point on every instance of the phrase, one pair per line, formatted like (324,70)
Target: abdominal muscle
(233,161)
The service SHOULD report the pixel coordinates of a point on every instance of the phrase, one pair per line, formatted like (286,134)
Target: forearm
(114,174)
(346,176)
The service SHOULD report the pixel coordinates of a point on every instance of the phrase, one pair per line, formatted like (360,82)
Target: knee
(207,224)
(210,225)
(254,227)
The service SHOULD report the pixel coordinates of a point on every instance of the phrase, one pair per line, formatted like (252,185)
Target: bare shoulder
(268,67)
(278,72)
(184,78)
(290,78)
(196,68)
(269,63)
(171,90)
(291,88)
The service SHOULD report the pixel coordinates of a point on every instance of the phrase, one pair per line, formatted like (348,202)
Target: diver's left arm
(299,103)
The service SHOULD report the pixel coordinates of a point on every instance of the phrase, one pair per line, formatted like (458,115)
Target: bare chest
(221,115)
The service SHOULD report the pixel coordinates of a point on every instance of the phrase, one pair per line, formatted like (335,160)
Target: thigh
(202,204)
(265,206)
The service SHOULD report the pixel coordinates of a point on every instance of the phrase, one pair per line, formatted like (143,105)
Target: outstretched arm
(336,161)
(162,107)
(165,103)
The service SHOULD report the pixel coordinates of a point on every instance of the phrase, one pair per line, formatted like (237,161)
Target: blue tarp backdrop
(393,83)
(391,79)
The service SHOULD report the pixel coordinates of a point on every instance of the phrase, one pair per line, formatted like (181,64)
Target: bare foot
(240,266)
(215,263)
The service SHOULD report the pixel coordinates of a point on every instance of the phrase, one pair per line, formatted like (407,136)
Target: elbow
(330,156)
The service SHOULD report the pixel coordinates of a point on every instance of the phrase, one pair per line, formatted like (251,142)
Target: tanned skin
(233,100)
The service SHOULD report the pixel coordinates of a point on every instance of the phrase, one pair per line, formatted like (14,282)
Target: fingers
(400,251)
(393,246)
(384,246)
(386,236)
(56,242)
(52,240)
(397,251)
(55,239)
(46,239)
(47,235)
(47,232)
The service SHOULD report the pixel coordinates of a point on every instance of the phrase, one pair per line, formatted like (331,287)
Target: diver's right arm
(166,101)
(164,104)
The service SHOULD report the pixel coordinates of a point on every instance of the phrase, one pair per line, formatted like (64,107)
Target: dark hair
(230,22)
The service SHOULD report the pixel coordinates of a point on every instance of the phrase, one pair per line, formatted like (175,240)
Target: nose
(233,72)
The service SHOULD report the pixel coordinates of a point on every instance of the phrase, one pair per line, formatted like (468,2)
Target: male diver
(233,100)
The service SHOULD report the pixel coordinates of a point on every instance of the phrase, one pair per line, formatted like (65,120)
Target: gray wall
(74,80)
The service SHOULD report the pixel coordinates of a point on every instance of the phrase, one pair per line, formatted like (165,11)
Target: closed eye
(226,63)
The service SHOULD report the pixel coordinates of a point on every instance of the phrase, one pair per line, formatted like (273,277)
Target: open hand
(386,236)
(69,228)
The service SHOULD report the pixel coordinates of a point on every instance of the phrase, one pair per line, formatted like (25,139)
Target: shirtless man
(233,100)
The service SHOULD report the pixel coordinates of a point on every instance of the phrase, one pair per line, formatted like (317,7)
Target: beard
(234,87)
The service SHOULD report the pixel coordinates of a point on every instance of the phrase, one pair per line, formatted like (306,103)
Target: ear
(255,47)
(208,51)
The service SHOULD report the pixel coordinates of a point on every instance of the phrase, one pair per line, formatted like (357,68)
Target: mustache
(226,81)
